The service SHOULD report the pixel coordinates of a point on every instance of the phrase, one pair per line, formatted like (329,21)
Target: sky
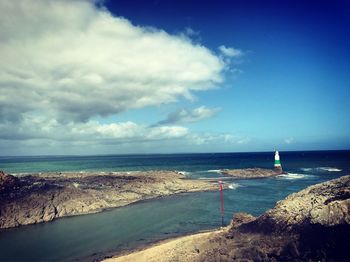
(156,76)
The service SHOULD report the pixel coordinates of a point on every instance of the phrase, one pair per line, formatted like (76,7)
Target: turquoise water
(92,236)
(291,161)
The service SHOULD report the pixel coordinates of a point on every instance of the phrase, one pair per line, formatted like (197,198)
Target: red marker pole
(221,203)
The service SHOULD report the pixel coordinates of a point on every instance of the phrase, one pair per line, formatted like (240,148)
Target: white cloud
(189,116)
(225,138)
(289,140)
(74,61)
(230,51)
(41,128)
(37,135)
(65,62)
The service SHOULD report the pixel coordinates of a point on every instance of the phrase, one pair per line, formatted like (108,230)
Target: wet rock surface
(43,197)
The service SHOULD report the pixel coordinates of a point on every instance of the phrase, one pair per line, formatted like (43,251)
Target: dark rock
(7,182)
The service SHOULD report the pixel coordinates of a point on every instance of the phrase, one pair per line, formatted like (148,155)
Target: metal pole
(221,204)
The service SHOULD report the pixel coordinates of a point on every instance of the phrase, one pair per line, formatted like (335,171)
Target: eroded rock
(41,198)
(313,224)
(7,182)
(250,173)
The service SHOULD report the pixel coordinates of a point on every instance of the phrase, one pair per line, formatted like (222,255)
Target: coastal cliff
(311,225)
(39,198)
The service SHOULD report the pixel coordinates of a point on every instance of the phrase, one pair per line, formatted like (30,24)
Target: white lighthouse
(277,165)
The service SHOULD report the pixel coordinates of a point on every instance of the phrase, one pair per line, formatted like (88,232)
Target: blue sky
(294,83)
(283,81)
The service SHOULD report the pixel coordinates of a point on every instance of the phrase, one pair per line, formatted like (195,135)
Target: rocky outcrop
(240,219)
(249,173)
(311,225)
(7,183)
(40,198)
(326,204)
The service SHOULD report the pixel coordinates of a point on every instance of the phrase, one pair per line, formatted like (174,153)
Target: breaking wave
(330,169)
(214,171)
(234,186)
(293,176)
(306,169)
(185,173)
(321,169)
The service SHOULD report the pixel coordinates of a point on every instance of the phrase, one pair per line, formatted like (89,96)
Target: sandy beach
(186,248)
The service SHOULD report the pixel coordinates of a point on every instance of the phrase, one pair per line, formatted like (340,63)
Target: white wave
(121,172)
(321,169)
(306,169)
(293,176)
(19,174)
(234,186)
(330,169)
(185,173)
(214,171)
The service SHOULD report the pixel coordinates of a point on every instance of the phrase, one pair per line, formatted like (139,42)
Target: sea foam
(214,171)
(185,173)
(321,169)
(293,176)
(234,186)
(330,169)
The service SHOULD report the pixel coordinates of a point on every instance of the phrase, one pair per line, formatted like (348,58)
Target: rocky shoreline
(40,198)
(36,198)
(311,225)
(250,173)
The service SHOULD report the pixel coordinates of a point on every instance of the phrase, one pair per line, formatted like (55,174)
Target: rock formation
(326,204)
(40,198)
(7,183)
(311,225)
(248,173)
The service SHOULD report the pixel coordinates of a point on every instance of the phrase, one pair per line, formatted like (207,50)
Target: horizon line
(178,153)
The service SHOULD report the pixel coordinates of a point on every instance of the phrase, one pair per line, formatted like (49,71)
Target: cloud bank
(65,62)
(75,61)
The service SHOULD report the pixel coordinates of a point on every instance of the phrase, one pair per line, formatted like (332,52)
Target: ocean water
(92,236)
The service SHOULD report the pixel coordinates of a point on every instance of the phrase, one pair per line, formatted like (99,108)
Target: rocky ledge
(311,225)
(248,173)
(39,198)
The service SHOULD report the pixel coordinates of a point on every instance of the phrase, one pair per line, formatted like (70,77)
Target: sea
(92,237)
